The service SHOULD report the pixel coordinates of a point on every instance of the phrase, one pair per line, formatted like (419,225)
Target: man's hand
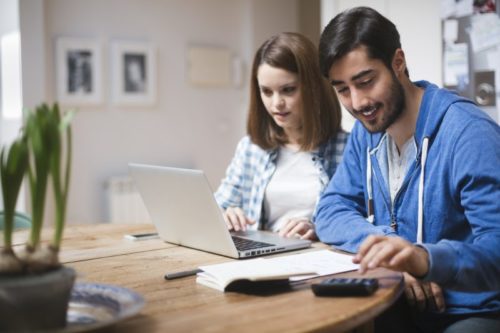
(236,219)
(423,295)
(393,253)
(398,254)
(299,227)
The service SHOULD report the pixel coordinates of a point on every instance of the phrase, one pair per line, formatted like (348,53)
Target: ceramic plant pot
(35,302)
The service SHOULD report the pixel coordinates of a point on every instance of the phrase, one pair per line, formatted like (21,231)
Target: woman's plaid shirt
(252,167)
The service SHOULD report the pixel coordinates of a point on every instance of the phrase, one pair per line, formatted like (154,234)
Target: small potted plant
(34,287)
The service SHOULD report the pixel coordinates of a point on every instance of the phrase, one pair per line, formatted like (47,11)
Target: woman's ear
(399,63)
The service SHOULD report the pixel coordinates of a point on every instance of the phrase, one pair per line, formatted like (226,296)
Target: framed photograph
(133,73)
(78,71)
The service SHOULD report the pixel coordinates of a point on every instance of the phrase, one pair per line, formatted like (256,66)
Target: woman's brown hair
(320,107)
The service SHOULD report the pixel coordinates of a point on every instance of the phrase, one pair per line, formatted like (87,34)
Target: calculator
(345,287)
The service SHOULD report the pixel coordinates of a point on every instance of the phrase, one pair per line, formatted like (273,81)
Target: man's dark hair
(359,26)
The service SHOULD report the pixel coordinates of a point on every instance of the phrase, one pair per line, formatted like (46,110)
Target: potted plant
(34,287)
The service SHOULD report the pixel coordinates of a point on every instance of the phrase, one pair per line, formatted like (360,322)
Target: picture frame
(210,67)
(133,73)
(78,71)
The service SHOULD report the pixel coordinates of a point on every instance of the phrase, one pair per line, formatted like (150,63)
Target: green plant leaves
(39,152)
(13,165)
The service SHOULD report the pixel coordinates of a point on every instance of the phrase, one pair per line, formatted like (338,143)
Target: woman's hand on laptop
(299,227)
(236,219)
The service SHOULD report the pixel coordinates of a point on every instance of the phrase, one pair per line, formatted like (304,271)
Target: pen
(176,275)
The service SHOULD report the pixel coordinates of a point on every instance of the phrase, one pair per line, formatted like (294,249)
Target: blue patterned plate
(94,305)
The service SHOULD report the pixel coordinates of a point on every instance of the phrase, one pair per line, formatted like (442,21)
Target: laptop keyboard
(243,244)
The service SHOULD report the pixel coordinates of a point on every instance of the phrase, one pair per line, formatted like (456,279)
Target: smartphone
(137,237)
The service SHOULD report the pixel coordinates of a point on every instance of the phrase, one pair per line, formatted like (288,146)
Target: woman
(293,146)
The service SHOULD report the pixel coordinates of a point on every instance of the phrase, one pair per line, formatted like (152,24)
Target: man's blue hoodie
(459,146)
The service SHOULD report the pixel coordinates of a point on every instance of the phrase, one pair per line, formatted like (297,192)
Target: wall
(188,127)
(9,24)
(418,23)
(310,19)
(9,16)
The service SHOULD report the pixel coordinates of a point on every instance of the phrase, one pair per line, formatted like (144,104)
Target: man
(418,190)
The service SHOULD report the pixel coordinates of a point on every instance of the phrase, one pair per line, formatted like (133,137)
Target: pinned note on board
(450,31)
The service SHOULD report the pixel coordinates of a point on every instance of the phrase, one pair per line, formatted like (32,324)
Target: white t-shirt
(399,162)
(293,189)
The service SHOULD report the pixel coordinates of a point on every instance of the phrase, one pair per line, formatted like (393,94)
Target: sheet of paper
(324,262)
(493,59)
(450,33)
(456,65)
(456,8)
(448,8)
(485,31)
(259,267)
(464,8)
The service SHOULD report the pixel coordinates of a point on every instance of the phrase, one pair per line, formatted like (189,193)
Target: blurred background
(198,54)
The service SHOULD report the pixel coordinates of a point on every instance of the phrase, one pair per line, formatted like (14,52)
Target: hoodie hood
(434,106)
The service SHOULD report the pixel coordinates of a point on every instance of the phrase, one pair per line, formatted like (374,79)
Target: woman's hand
(236,220)
(299,227)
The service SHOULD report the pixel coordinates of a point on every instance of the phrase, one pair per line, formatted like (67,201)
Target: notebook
(261,274)
(183,209)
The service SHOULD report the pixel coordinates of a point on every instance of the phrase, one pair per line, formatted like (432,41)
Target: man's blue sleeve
(341,219)
(473,265)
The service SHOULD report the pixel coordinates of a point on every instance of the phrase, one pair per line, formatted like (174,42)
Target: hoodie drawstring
(425,147)
(369,207)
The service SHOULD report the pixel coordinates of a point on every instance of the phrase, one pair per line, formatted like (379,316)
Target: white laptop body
(183,209)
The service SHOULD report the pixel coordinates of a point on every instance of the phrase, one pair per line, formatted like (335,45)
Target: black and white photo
(78,66)
(133,73)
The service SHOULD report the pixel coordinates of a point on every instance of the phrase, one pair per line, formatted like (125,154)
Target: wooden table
(100,254)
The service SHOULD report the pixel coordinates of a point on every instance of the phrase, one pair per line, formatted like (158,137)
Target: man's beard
(397,105)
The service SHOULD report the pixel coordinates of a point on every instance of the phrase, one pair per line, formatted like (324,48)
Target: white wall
(419,26)
(9,23)
(9,16)
(188,127)
(9,26)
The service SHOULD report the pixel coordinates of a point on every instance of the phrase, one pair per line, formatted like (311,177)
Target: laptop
(183,209)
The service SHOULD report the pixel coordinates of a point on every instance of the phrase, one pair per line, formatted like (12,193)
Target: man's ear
(399,62)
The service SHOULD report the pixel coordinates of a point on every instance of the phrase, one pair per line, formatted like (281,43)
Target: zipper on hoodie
(394,224)
(387,201)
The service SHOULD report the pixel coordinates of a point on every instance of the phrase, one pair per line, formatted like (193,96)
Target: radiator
(125,204)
